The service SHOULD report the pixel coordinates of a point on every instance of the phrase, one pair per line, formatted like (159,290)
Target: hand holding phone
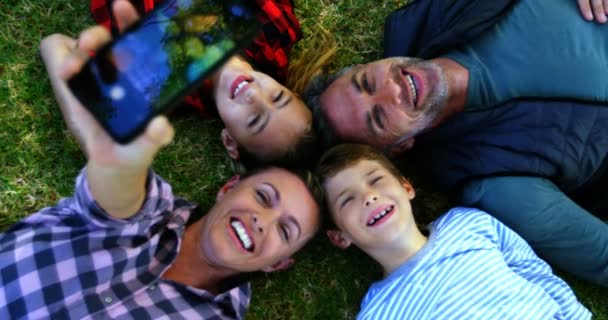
(159,60)
(64,57)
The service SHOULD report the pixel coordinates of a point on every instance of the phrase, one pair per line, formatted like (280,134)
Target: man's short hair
(342,157)
(312,97)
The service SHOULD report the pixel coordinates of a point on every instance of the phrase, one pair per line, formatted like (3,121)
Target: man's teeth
(410,81)
(239,87)
(379,216)
(242,234)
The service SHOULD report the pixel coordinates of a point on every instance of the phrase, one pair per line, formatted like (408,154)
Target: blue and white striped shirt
(473,267)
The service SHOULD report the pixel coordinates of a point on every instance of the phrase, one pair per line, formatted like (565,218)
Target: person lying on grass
(123,246)
(265,122)
(467,265)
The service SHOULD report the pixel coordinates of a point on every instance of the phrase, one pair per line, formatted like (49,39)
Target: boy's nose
(370,199)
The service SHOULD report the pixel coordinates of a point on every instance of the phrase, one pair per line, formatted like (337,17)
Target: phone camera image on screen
(153,65)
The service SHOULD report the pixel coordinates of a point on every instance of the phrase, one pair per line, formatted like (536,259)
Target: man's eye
(255,119)
(375,180)
(365,83)
(278,97)
(263,198)
(378,117)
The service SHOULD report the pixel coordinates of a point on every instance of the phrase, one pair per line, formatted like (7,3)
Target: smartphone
(154,64)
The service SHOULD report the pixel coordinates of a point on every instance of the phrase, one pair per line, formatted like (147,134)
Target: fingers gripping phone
(158,61)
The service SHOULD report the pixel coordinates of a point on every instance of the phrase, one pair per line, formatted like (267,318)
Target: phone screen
(153,65)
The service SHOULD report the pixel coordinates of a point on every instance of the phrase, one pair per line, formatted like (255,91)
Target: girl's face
(259,113)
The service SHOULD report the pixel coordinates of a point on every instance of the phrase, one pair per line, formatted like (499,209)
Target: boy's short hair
(342,157)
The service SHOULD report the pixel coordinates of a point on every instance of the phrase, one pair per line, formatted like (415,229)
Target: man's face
(370,206)
(379,102)
(262,220)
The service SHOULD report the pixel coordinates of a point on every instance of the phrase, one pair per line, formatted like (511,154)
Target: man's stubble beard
(436,99)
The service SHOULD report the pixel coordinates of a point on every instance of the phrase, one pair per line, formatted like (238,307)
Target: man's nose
(390,93)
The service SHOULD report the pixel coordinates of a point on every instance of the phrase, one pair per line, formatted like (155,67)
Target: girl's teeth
(239,87)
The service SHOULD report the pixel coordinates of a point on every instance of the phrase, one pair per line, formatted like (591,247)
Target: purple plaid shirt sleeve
(74,261)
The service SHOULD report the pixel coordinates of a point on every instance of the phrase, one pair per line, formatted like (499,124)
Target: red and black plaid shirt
(269,51)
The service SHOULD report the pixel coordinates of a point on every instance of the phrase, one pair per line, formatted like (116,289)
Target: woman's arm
(116,173)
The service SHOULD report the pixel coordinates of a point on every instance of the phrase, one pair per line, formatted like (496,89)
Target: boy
(470,266)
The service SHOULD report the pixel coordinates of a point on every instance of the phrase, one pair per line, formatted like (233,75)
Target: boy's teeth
(379,215)
(241,233)
(239,87)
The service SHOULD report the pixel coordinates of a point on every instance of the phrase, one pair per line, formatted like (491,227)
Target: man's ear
(338,239)
(280,265)
(408,187)
(227,187)
(231,146)
(401,147)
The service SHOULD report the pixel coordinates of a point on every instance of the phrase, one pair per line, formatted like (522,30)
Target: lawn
(39,159)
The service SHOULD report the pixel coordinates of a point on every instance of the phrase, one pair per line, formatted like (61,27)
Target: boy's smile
(380,215)
(370,205)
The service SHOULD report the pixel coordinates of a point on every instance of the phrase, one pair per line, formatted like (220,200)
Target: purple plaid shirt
(75,261)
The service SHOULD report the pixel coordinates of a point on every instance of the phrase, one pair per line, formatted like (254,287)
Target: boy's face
(369,205)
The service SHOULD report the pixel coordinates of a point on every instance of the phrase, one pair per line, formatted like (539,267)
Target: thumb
(158,134)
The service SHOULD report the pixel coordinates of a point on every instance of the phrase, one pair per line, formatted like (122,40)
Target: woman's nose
(257,225)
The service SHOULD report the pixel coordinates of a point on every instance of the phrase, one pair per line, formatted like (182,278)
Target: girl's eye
(375,180)
(278,97)
(263,198)
(253,120)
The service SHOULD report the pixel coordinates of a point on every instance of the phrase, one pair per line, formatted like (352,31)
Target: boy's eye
(263,198)
(375,180)
(346,201)
(278,97)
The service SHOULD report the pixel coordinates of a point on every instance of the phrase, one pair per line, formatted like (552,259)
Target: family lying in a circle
(502,103)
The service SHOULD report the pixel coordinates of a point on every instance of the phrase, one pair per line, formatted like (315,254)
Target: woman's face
(259,113)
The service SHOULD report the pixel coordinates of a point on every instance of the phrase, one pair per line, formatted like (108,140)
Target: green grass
(39,159)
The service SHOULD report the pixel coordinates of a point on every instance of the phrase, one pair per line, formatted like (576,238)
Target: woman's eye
(263,198)
(253,120)
(285,232)
(278,97)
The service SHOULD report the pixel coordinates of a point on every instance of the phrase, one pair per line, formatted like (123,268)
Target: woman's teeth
(239,229)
